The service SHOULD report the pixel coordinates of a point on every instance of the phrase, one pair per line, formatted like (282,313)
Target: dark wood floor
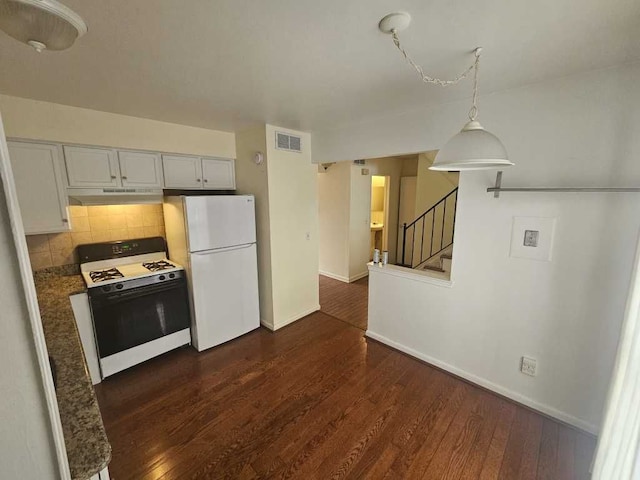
(345,301)
(316,400)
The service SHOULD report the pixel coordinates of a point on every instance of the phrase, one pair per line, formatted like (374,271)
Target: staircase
(427,242)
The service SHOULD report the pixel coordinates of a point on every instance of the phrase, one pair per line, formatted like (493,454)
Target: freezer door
(220,221)
(225,295)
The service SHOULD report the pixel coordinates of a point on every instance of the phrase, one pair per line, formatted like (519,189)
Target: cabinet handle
(197,179)
(124,177)
(113,177)
(64,220)
(206,181)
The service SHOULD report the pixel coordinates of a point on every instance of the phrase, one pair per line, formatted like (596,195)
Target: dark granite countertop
(88,448)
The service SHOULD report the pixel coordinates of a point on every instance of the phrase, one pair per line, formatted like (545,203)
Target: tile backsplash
(100,223)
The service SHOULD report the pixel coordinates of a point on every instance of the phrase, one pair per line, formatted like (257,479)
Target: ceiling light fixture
(41,24)
(473,148)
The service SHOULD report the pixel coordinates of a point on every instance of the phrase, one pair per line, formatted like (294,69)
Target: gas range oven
(139,301)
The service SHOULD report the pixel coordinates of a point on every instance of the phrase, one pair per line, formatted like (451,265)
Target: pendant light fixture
(41,24)
(473,148)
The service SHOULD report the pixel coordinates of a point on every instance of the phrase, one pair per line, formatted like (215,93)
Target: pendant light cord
(473,113)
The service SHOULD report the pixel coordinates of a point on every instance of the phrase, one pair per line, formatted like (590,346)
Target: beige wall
(100,223)
(293,215)
(252,179)
(333,218)
(359,220)
(285,187)
(432,185)
(37,120)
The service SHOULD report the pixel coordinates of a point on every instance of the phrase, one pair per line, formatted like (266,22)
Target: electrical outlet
(528,366)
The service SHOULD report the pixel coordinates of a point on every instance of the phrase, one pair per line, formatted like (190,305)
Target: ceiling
(309,64)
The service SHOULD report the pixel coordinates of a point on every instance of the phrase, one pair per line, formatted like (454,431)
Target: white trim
(358,276)
(334,276)
(31,300)
(423,276)
(341,278)
(297,316)
(540,407)
(133,356)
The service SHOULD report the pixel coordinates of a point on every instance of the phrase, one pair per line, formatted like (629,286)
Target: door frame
(33,309)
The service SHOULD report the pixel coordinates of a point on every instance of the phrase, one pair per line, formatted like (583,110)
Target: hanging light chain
(473,113)
(426,78)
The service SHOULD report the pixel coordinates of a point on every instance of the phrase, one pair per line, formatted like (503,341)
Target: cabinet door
(140,169)
(219,173)
(42,198)
(181,171)
(91,167)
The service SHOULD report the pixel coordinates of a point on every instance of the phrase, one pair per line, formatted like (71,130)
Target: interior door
(38,177)
(218,173)
(181,171)
(224,284)
(220,221)
(91,167)
(140,169)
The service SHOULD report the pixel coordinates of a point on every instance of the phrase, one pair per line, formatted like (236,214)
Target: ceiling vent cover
(359,162)
(291,143)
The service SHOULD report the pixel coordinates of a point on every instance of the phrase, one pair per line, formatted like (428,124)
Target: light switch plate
(532,238)
(528,366)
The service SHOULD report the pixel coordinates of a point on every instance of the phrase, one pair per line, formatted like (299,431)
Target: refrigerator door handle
(220,250)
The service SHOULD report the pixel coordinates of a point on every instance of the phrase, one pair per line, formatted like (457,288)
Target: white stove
(139,301)
(112,271)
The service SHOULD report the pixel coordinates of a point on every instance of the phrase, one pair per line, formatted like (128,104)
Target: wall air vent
(359,162)
(291,143)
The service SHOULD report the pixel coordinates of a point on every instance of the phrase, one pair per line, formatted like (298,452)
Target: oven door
(126,319)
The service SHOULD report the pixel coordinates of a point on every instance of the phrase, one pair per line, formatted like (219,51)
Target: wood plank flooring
(345,301)
(317,400)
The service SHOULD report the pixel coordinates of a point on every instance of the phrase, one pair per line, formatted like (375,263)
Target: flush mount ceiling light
(473,148)
(42,24)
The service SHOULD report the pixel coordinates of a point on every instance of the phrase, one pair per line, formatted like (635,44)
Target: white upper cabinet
(140,169)
(218,173)
(91,167)
(181,171)
(38,173)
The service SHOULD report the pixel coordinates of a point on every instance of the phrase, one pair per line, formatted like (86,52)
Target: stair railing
(437,240)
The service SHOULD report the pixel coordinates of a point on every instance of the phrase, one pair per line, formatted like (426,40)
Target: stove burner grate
(104,275)
(157,266)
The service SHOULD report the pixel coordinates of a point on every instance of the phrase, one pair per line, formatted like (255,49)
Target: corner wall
(575,131)
(293,215)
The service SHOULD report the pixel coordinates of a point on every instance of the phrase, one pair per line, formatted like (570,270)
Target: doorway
(379,214)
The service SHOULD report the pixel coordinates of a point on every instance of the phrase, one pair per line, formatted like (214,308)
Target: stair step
(433,268)
(446,255)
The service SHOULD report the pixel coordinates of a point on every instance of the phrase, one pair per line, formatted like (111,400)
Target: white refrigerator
(214,237)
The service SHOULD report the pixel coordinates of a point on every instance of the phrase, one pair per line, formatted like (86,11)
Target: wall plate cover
(532,238)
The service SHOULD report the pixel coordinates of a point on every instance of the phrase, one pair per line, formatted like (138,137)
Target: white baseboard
(540,407)
(293,318)
(350,279)
(358,276)
(334,276)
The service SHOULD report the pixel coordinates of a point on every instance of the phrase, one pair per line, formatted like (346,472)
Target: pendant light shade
(473,148)
(42,24)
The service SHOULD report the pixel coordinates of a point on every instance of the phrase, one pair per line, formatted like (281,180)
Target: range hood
(113,196)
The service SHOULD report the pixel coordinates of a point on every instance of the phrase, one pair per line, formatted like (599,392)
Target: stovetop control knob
(172,275)
(119,286)
(161,277)
(106,289)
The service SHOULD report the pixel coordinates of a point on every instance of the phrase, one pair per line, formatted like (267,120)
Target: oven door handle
(140,291)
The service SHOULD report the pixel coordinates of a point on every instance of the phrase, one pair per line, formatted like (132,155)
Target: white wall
(285,187)
(32,119)
(579,130)
(252,179)
(333,220)
(26,444)
(293,216)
